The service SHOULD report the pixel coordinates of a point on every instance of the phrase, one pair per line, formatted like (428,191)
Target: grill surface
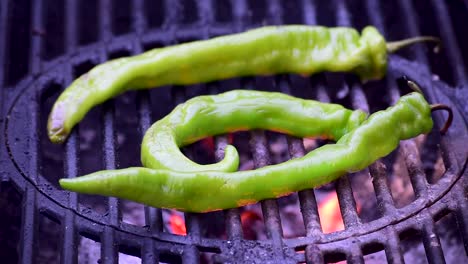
(31,82)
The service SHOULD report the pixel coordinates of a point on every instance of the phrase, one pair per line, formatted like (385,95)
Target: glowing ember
(177,224)
(249,216)
(330,214)
(252,225)
(209,144)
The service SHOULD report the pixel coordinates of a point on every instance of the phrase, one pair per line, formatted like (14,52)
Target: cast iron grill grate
(36,70)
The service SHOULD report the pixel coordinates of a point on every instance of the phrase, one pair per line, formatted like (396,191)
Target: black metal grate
(35,66)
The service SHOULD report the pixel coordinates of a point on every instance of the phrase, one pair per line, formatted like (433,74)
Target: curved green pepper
(239,110)
(275,49)
(203,191)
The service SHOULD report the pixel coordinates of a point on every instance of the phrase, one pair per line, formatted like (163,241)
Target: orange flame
(330,214)
(177,224)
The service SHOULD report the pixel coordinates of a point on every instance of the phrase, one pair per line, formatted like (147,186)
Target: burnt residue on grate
(407,206)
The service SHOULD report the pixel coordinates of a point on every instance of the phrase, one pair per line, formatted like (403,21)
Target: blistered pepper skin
(239,110)
(268,50)
(204,191)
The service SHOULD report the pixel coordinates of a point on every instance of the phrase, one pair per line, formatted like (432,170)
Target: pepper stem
(396,45)
(436,107)
(404,81)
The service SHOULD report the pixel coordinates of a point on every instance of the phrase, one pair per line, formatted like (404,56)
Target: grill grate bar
(358,98)
(418,180)
(415,170)
(172,12)
(374,12)
(347,202)
(35,64)
(322,94)
(313,255)
(385,202)
(109,252)
(36,40)
(462,214)
(377,169)
(412,159)
(148,254)
(108,249)
(275,12)
(71,30)
(411,16)
(238,13)
(206,14)
(139,20)
(306,198)
(153,216)
(192,220)
(153,219)
(342,16)
(190,255)
(269,207)
(193,225)
(233,221)
(309,15)
(108,246)
(392,247)
(355,255)
(105,26)
(3,35)
(69,249)
(272,220)
(69,254)
(311,220)
(431,241)
(344,190)
(261,158)
(233,224)
(28,225)
(455,59)
(109,157)
(29,205)
(232,216)
(308,203)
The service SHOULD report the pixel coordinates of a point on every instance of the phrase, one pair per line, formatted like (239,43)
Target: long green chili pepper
(275,49)
(239,110)
(202,191)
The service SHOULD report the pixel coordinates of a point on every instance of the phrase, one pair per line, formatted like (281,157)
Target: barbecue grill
(45,44)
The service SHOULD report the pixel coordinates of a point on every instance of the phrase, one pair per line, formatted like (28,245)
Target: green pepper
(239,110)
(202,191)
(275,49)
